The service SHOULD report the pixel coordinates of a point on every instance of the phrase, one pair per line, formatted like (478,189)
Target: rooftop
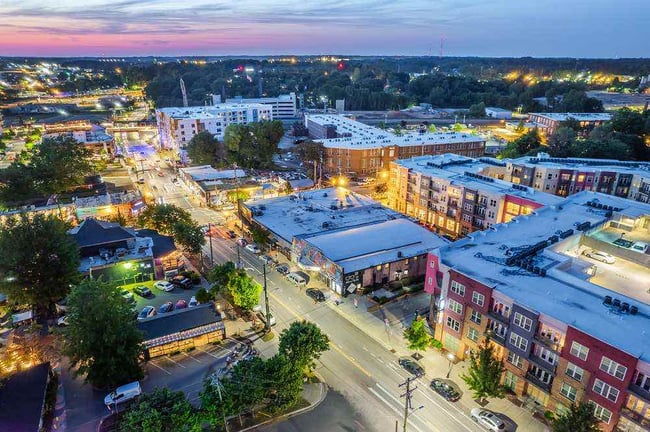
(544,159)
(375,243)
(93,232)
(107,199)
(210,111)
(362,136)
(179,321)
(22,398)
(576,116)
(484,256)
(206,172)
(316,211)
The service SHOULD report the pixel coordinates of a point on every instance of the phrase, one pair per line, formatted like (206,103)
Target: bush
(435,343)
(549,415)
(193,276)
(202,296)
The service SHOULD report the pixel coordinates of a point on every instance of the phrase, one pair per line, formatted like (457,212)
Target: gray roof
(162,244)
(94,232)
(22,398)
(178,321)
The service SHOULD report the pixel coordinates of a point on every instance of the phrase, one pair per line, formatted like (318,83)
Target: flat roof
(363,136)
(178,321)
(22,398)
(482,256)
(375,243)
(206,172)
(495,109)
(576,116)
(307,212)
(545,160)
(464,171)
(209,111)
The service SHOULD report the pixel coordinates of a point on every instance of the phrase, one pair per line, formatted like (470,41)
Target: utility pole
(211,253)
(223,412)
(266,302)
(407,402)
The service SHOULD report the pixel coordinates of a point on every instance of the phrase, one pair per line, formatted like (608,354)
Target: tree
(560,143)
(60,164)
(38,260)
(484,375)
(221,274)
(102,339)
(162,410)
(17,183)
(260,236)
(477,110)
(171,220)
(417,336)
(245,292)
(285,384)
(578,418)
(527,142)
(246,384)
(189,236)
(202,296)
(313,152)
(299,129)
(303,343)
(253,145)
(204,149)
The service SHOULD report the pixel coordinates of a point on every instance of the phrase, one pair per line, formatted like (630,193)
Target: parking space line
(192,357)
(160,367)
(208,353)
(175,362)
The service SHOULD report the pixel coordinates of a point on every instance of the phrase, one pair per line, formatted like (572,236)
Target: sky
(490,28)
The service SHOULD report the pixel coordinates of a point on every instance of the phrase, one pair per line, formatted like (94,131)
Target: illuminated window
(512,208)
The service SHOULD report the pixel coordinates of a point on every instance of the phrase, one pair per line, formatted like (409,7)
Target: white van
(297,279)
(639,247)
(123,394)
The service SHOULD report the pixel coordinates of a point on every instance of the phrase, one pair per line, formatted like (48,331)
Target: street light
(451,357)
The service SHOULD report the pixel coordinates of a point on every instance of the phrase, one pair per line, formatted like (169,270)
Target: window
(546,355)
(523,322)
(518,341)
(568,392)
(541,374)
(510,380)
(475,317)
(575,372)
(602,414)
(455,306)
(458,288)
(579,351)
(472,334)
(515,360)
(493,203)
(478,298)
(605,390)
(613,368)
(453,324)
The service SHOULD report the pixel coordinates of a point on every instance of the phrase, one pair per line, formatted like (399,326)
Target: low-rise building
(22,399)
(568,327)
(447,194)
(498,113)
(91,135)
(363,150)
(548,123)
(218,187)
(126,204)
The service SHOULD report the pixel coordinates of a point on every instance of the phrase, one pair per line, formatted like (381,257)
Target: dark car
(147,312)
(167,307)
(232,234)
(242,242)
(142,291)
(315,294)
(445,390)
(181,304)
(283,269)
(181,281)
(411,366)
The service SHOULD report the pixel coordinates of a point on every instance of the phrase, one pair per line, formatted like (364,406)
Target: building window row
(455,306)
(458,288)
(475,316)
(611,367)
(472,334)
(453,324)
(518,341)
(601,413)
(514,360)
(523,322)
(568,392)
(580,351)
(605,390)
(575,372)
(478,298)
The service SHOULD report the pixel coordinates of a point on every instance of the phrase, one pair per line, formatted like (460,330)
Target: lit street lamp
(451,357)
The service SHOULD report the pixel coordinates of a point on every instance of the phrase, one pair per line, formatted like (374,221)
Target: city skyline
(356,27)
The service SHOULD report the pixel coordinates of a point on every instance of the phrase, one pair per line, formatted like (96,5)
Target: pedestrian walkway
(386,325)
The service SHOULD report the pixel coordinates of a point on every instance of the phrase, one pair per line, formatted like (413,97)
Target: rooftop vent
(634,310)
(608,300)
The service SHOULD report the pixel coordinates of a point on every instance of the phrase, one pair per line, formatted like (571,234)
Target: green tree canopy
(162,410)
(561,143)
(205,149)
(253,145)
(243,290)
(102,339)
(285,386)
(303,343)
(528,142)
(477,110)
(38,260)
(484,374)
(189,236)
(417,336)
(260,236)
(172,220)
(60,164)
(578,418)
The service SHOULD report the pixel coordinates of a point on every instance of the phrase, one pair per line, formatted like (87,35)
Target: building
(356,148)
(126,204)
(22,399)
(498,113)
(447,194)
(177,126)
(213,186)
(547,123)
(283,107)
(110,250)
(567,176)
(181,330)
(568,328)
(92,136)
(309,227)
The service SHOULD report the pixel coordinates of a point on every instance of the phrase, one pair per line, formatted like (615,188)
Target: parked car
(488,419)
(242,242)
(266,259)
(147,312)
(193,302)
(63,321)
(128,295)
(283,269)
(123,394)
(445,390)
(141,180)
(411,366)
(61,306)
(167,307)
(601,256)
(253,248)
(142,291)
(297,279)
(315,294)
(639,247)
(164,286)
(181,304)
(232,234)
(181,281)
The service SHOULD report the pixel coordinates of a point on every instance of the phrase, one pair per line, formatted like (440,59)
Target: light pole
(451,357)
(211,253)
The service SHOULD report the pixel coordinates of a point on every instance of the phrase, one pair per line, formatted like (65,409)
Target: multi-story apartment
(445,193)
(547,123)
(177,126)
(354,147)
(566,176)
(568,328)
(282,107)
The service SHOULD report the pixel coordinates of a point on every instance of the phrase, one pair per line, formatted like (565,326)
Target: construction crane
(184,93)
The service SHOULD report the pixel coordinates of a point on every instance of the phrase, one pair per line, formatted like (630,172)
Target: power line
(408,407)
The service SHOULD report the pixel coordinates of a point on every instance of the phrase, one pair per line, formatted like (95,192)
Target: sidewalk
(399,315)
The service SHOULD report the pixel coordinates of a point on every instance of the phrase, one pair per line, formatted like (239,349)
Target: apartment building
(568,328)
(548,123)
(567,176)
(354,147)
(446,193)
(177,126)
(283,107)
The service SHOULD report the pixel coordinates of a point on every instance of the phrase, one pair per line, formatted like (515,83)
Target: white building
(283,106)
(498,113)
(177,125)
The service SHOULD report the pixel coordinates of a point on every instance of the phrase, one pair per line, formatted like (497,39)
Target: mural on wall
(310,254)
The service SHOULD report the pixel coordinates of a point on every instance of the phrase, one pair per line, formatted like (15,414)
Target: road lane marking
(160,367)
(392,407)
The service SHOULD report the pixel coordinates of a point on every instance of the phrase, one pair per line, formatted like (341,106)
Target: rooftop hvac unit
(608,300)
(634,310)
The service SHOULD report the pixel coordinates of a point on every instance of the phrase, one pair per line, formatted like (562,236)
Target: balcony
(542,363)
(555,346)
(640,392)
(636,417)
(538,382)
(498,316)
(501,340)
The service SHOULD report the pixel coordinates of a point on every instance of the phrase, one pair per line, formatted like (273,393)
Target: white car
(193,302)
(488,419)
(601,256)
(253,248)
(63,321)
(164,286)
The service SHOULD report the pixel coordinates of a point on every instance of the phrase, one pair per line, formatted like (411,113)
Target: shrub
(435,343)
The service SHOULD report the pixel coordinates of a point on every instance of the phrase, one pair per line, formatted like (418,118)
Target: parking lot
(160,297)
